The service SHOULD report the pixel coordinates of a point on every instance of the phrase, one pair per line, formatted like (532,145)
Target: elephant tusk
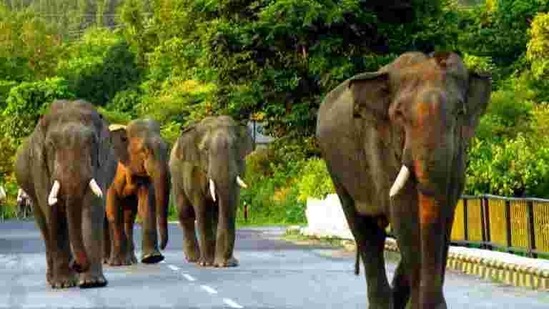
(212,189)
(52,198)
(400,181)
(95,188)
(241,182)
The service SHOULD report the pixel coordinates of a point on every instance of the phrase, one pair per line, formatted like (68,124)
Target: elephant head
(436,103)
(219,145)
(72,147)
(140,148)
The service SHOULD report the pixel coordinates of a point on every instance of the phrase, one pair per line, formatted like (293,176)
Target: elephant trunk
(80,262)
(161,189)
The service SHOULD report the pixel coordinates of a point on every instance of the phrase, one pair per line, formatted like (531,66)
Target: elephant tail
(357,260)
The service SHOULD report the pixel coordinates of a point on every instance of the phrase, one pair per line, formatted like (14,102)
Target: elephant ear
(478,95)
(188,145)
(245,141)
(370,95)
(119,140)
(106,156)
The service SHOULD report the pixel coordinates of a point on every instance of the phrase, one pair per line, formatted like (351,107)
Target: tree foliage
(27,101)
(274,60)
(99,65)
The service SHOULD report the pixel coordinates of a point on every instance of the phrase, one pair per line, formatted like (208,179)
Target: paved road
(273,274)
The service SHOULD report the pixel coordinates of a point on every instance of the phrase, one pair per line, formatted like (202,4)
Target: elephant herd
(89,180)
(394,142)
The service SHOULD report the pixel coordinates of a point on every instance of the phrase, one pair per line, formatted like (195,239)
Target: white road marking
(208,289)
(189,277)
(163,261)
(173,267)
(231,303)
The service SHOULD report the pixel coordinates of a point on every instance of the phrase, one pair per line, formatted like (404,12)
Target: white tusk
(400,181)
(241,182)
(95,188)
(212,189)
(52,198)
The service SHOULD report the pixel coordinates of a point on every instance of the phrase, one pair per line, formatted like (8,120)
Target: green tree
(29,47)
(99,65)
(280,57)
(499,29)
(27,101)
(538,54)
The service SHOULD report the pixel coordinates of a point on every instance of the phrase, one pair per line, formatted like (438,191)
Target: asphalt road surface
(272,274)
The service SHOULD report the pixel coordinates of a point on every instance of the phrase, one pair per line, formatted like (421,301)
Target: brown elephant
(64,166)
(206,165)
(395,145)
(140,186)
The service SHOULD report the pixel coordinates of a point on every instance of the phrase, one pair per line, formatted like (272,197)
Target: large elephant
(64,166)
(394,142)
(141,185)
(206,164)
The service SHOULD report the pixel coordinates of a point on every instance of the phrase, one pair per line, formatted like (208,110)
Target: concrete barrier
(325,218)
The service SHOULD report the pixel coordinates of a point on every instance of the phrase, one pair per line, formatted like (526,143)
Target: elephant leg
(401,287)
(370,240)
(223,223)
(206,235)
(42,225)
(106,241)
(186,220)
(449,225)
(150,253)
(60,251)
(130,212)
(93,218)
(116,230)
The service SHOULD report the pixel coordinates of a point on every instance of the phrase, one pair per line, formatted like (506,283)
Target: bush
(27,101)
(126,101)
(114,116)
(509,111)
(272,195)
(516,168)
(315,180)
(281,178)
(5,87)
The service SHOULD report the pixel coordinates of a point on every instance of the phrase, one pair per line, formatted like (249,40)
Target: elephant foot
(202,262)
(89,280)
(232,262)
(191,259)
(191,253)
(63,281)
(119,261)
(152,258)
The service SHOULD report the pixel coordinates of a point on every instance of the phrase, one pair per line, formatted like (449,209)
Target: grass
(293,235)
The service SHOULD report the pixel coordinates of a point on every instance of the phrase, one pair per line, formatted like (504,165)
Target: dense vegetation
(273,60)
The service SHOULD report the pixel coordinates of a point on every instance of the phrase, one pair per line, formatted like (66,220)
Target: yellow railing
(519,225)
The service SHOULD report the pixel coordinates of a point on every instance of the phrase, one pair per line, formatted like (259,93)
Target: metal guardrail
(515,225)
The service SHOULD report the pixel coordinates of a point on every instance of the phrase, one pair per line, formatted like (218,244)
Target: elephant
(206,166)
(394,142)
(65,166)
(140,186)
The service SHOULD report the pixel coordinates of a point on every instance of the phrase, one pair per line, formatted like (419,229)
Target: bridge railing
(515,225)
